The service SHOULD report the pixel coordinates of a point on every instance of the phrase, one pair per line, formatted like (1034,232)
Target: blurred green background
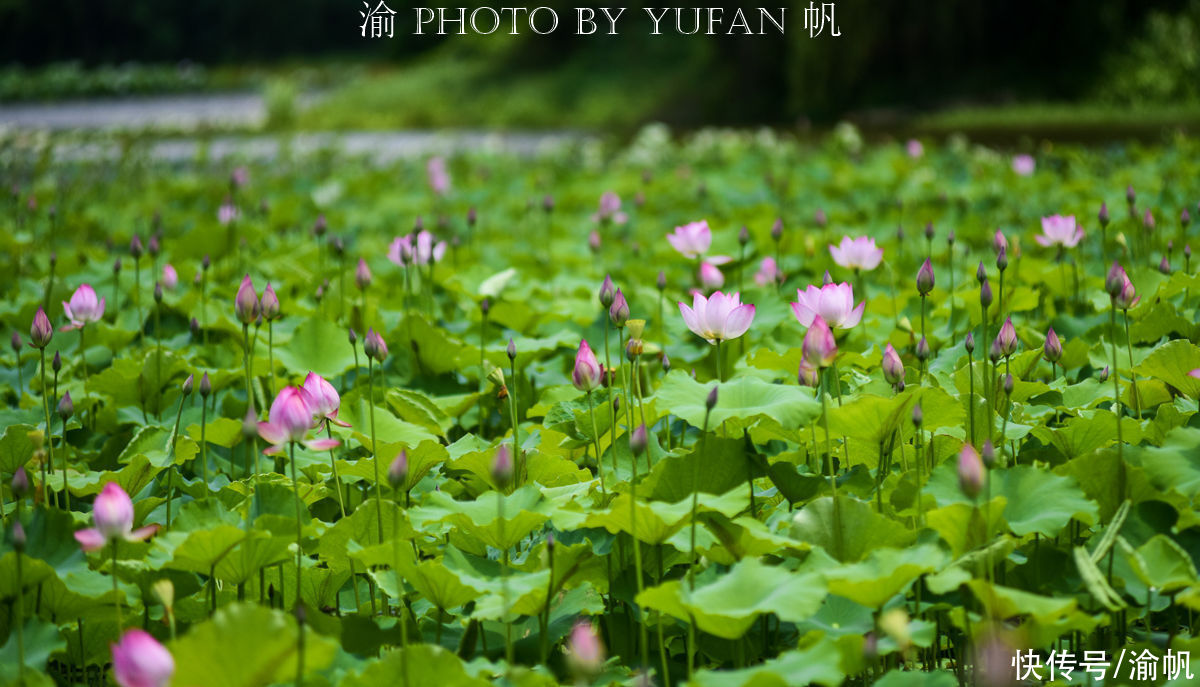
(899,64)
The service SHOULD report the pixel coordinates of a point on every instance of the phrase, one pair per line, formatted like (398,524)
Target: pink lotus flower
(1195,374)
(83,308)
(768,273)
(834,303)
(585,651)
(819,347)
(228,212)
(439,178)
(112,515)
(610,209)
(718,317)
(140,661)
(323,400)
(420,249)
(170,278)
(691,240)
(710,276)
(1058,230)
(288,422)
(1023,165)
(857,254)
(914,148)
(588,372)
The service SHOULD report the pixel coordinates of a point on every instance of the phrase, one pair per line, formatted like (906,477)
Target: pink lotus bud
(914,148)
(980,273)
(1052,348)
(158,292)
(1195,374)
(188,385)
(918,415)
(205,386)
(1128,297)
(20,482)
(777,229)
(618,312)
(502,465)
(1164,265)
(985,294)
(269,305)
(1102,216)
(140,661)
(1148,220)
(893,367)
(638,440)
(820,219)
(1023,165)
(1104,374)
(606,292)
(398,471)
(40,332)
(744,235)
(594,241)
(970,471)
(289,419)
(1115,280)
(929,233)
(245,304)
(323,400)
(1002,259)
(969,343)
(819,344)
(588,372)
(1185,218)
(1007,338)
(923,352)
(710,276)
(1130,196)
(362,275)
(585,652)
(135,247)
(16,344)
(768,273)
(83,308)
(710,401)
(808,375)
(511,349)
(170,278)
(988,454)
(239,177)
(374,346)
(925,278)
(320,226)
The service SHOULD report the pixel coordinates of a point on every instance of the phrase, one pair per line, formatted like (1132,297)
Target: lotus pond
(726,409)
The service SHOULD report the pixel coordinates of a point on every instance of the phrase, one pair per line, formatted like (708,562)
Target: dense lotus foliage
(725,410)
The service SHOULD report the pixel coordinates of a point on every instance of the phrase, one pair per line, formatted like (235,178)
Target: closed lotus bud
(398,471)
(1104,374)
(1164,265)
(158,292)
(319,295)
(1007,338)
(1114,281)
(918,415)
(362,275)
(970,342)
(1052,348)
(1002,259)
(65,407)
(666,363)
(1187,251)
(1184,218)
(819,345)
(135,247)
(1148,220)
(502,466)
(616,404)
(820,218)
(245,304)
(594,241)
(205,386)
(269,305)
(473,216)
(925,278)
(339,246)
(950,237)
(40,332)
(744,235)
(152,246)
(116,268)
(662,281)
(584,652)
(20,482)
(250,424)
(188,385)
(1130,196)
(994,351)
(374,346)
(638,440)
(512,349)
(16,343)
(923,351)
(18,537)
(606,292)
(980,273)
(1103,217)
(988,454)
(206,263)
(970,472)
(548,203)
(320,226)
(985,294)
(618,312)
(56,362)
(777,230)
(929,231)
(352,337)
(485,306)
(711,401)
(1008,384)
(893,367)
(1128,297)
(808,375)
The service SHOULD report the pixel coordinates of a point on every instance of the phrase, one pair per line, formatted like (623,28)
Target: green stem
(299,526)
(116,591)
(1117,403)
(637,553)
(720,371)
(19,619)
(482,371)
(971,402)
(271,359)
(596,442)
(512,405)
(1137,402)
(400,599)
(837,515)
(691,574)
(49,434)
(508,643)
(203,442)
(374,455)
(246,364)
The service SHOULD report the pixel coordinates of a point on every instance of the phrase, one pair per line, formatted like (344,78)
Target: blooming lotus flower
(170,278)
(893,367)
(834,303)
(1058,230)
(289,420)
(710,276)
(245,304)
(400,251)
(228,212)
(610,209)
(914,148)
(323,400)
(41,331)
(588,372)
(84,307)
(768,273)
(1023,165)
(857,254)
(112,515)
(439,178)
(691,240)
(819,345)
(719,317)
(140,661)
